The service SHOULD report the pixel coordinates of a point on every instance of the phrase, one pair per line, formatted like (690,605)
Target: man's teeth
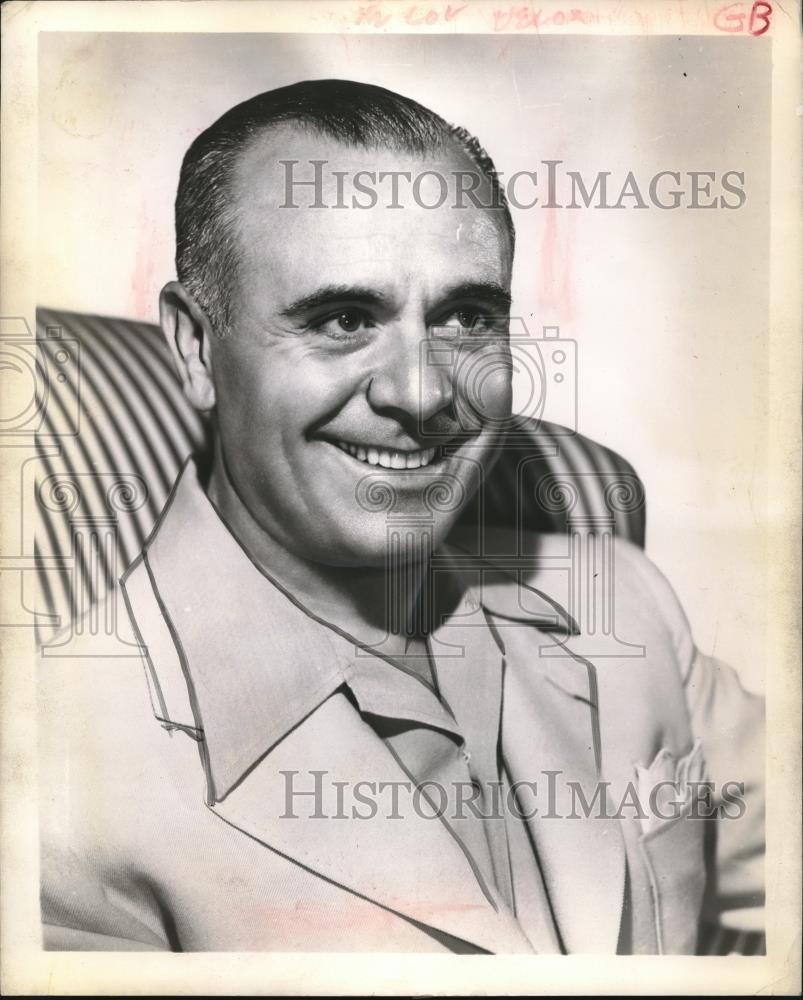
(388,459)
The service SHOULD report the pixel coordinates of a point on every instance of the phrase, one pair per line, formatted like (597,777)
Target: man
(365,738)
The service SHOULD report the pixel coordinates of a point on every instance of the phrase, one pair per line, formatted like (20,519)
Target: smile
(388,458)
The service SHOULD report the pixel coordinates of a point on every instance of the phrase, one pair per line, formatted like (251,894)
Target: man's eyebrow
(496,295)
(331,295)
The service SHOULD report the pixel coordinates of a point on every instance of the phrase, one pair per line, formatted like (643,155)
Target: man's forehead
(296,180)
(265,156)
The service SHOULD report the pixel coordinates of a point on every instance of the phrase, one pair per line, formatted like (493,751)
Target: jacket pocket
(673,849)
(674,857)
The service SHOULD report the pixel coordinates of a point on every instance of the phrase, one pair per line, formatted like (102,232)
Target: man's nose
(414,378)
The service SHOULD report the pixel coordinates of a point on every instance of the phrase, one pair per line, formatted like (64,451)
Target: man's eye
(350,321)
(343,324)
(463,317)
(476,321)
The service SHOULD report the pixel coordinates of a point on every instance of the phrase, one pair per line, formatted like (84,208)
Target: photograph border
(26,969)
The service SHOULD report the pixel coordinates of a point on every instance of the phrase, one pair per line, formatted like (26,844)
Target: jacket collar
(196,597)
(255,661)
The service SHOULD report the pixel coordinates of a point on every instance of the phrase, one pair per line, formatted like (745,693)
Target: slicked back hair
(356,114)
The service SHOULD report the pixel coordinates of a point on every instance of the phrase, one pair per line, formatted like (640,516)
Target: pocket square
(666,788)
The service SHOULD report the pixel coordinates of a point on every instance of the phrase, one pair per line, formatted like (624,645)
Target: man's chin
(399,544)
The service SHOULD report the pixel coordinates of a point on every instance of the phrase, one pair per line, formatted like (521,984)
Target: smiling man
(309,351)
(365,738)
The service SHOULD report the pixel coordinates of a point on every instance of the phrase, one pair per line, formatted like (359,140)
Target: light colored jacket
(137,854)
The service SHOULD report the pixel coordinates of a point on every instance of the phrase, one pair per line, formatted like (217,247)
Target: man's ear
(188,333)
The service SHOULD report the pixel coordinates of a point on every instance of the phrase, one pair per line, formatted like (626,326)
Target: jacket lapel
(551,736)
(471,631)
(236,660)
(399,859)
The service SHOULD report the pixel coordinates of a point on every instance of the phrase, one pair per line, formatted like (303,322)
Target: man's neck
(356,599)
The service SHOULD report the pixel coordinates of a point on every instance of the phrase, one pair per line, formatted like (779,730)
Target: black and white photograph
(400,458)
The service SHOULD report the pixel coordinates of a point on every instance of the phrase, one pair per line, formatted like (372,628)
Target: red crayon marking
(761,10)
(372,14)
(415,15)
(521,18)
(555,289)
(734,19)
(142,284)
(517,18)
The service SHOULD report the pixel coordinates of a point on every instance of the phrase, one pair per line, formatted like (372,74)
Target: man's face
(343,404)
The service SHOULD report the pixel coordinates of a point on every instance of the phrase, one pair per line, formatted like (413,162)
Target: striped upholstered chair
(115,429)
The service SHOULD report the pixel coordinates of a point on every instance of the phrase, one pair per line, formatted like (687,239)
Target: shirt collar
(255,661)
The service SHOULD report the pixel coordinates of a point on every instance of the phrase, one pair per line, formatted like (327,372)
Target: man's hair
(357,114)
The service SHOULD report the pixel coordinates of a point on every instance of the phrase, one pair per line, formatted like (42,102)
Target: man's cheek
(483,389)
(320,388)
(500,395)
